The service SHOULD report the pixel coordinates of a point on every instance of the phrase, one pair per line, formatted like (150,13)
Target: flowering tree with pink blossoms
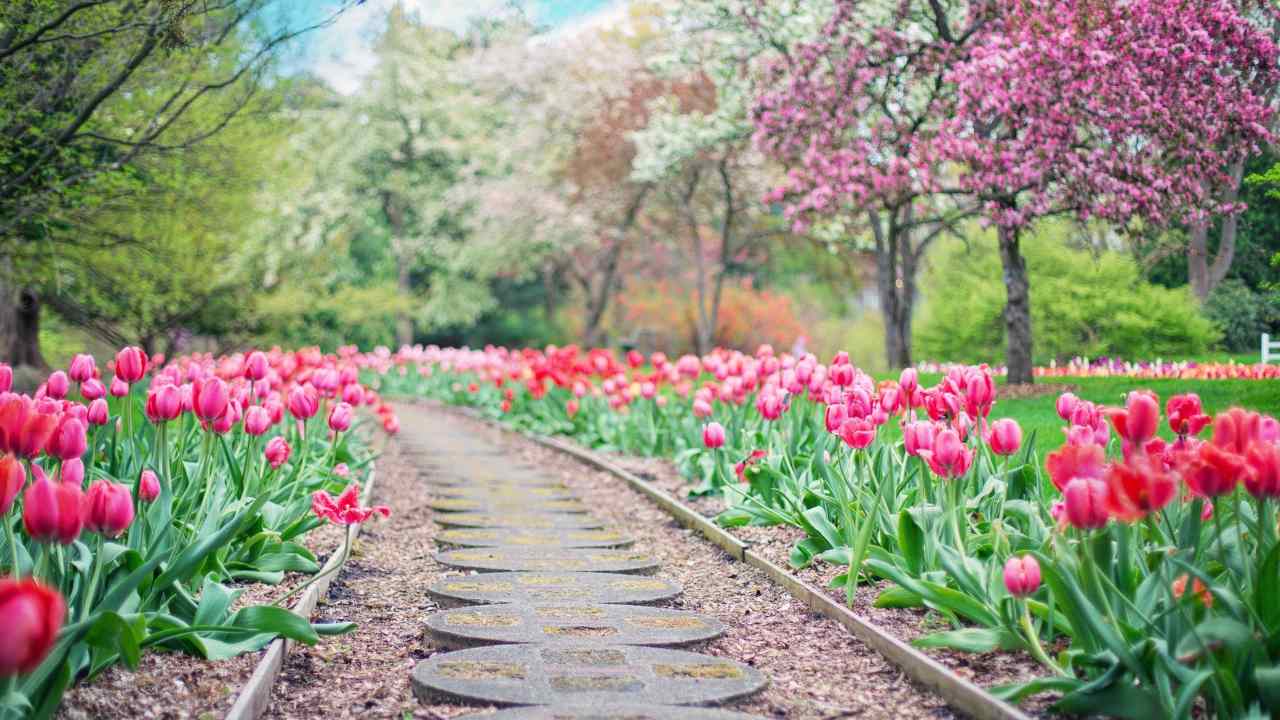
(910,111)
(1117,111)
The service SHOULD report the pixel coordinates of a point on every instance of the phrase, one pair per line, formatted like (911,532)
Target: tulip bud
(148,486)
(340,417)
(73,472)
(57,385)
(209,399)
(1022,575)
(303,403)
(92,389)
(1085,499)
(257,420)
(1005,437)
(68,439)
(277,452)
(391,424)
(119,388)
(164,403)
(833,417)
(32,614)
(353,395)
(109,509)
(12,477)
(713,435)
(52,512)
(1066,405)
(83,368)
(909,381)
(341,470)
(256,366)
(131,364)
(98,413)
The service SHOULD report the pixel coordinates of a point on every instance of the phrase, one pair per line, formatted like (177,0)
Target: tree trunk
(404,323)
(20,326)
(1017,311)
(894,287)
(1204,275)
(598,298)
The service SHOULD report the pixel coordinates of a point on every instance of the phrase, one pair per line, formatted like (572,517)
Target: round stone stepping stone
(506,503)
(535,587)
(584,675)
(493,537)
(570,624)
(629,711)
(495,482)
(521,559)
(528,521)
(503,492)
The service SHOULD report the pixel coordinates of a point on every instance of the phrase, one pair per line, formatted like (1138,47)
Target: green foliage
(1081,304)
(1243,314)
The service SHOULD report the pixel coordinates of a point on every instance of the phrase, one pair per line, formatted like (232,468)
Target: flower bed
(203,478)
(1139,573)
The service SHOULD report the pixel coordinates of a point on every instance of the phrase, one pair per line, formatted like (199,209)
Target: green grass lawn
(1038,415)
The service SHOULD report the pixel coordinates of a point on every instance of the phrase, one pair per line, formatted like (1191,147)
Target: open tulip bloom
(129,519)
(1139,570)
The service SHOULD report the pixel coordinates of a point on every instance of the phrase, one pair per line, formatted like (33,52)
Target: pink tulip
(148,486)
(1085,499)
(833,417)
(1005,436)
(131,364)
(68,439)
(257,420)
(341,470)
(303,403)
(391,424)
(93,389)
(73,472)
(909,381)
(6,378)
(340,417)
(119,388)
(32,614)
(57,385)
(701,408)
(1138,421)
(83,368)
(917,436)
(1022,575)
(949,458)
(99,413)
(857,433)
(256,366)
(52,512)
(841,375)
(164,403)
(1066,405)
(209,399)
(277,452)
(353,395)
(713,435)
(109,508)
(228,420)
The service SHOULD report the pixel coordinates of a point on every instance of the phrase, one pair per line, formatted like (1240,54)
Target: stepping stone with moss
(523,559)
(494,537)
(506,503)
(570,624)
(630,711)
(534,587)
(582,675)
(524,520)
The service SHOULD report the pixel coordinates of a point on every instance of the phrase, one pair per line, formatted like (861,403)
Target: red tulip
(32,614)
(1138,487)
(1263,477)
(340,417)
(164,403)
(52,512)
(257,420)
(37,428)
(57,385)
(1137,422)
(303,403)
(68,439)
(148,486)
(1212,472)
(209,399)
(6,378)
(256,366)
(1022,575)
(345,509)
(1005,436)
(83,367)
(634,359)
(98,413)
(1085,503)
(1186,414)
(1072,461)
(131,365)
(713,435)
(391,424)
(277,452)
(109,508)
(949,457)
(571,408)
(12,477)
(1236,429)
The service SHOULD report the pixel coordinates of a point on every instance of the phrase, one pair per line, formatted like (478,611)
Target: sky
(341,55)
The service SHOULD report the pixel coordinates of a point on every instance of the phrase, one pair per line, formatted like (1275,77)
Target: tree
(89,89)
(1117,111)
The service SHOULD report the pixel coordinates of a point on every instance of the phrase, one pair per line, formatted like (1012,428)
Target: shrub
(1081,304)
(1242,314)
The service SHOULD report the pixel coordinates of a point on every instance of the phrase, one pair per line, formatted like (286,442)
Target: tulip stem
(94,575)
(1033,643)
(13,547)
